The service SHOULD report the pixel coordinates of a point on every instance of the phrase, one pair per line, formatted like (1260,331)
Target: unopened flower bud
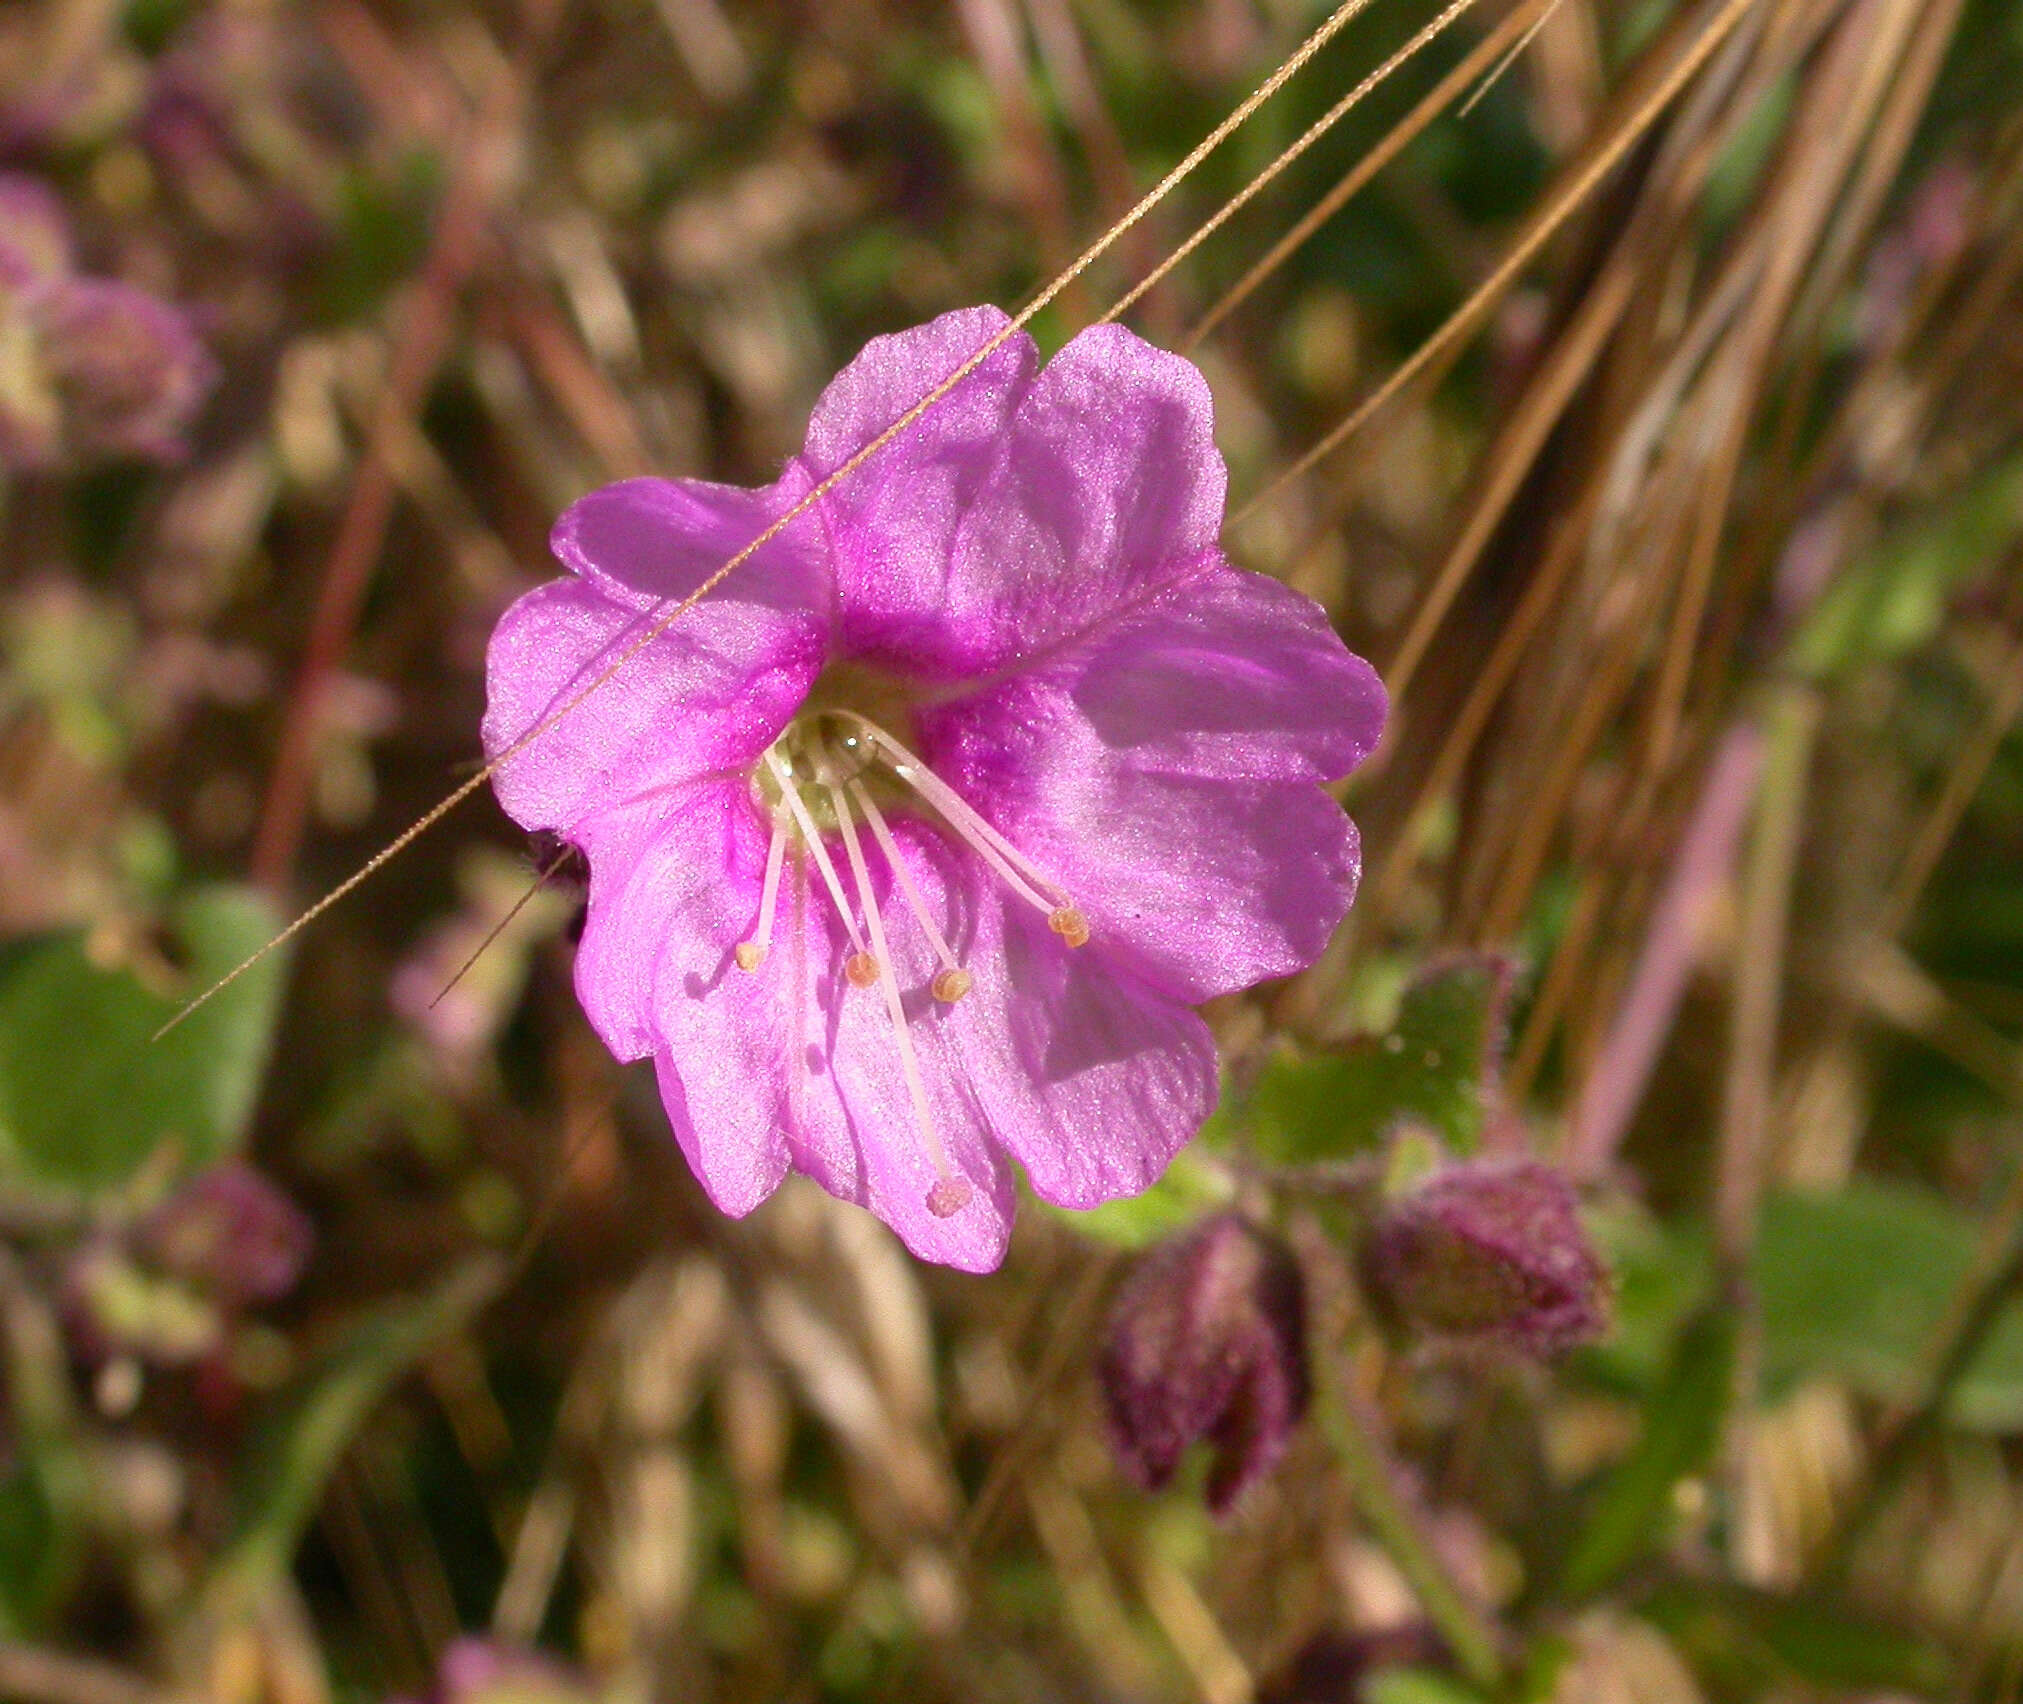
(1206,1341)
(231,1234)
(1489,1250)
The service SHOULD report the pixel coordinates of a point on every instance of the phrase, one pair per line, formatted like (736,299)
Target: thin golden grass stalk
(1305,140)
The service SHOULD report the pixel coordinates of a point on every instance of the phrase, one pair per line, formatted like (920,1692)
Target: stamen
(861,975)
(752,953)
(951,982)
(950,1193)
(1068,923)
(1019,872)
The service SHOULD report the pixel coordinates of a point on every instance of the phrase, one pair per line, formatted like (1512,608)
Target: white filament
(918,906)
(1019,872)
(813,837)
(752,953)
(951,1193)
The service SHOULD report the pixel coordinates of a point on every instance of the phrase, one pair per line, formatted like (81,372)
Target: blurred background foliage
(364,1340)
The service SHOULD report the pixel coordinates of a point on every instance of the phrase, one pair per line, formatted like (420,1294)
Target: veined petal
(893,521)
(1164,772)
(644,541)
(1229,675)
(708,694)
(1089,1080)
(1108,486)
(674,886)
(856,1130)
(1026,507)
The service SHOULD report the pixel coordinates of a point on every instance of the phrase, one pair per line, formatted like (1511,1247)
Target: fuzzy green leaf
(87,1096)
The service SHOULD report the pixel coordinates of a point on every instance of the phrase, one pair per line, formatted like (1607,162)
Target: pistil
(861,967)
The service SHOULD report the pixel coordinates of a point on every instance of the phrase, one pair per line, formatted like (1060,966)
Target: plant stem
(1363,1459)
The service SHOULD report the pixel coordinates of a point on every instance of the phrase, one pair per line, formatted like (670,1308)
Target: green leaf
(1894,598)
(1437,1065)
(1187,1189)
(1858,1285)
(29,1548)
(1660,1275)
(87,1095)
(295,1453)
(1750,1642)
(1682,1424)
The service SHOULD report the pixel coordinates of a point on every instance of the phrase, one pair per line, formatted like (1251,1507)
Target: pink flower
(911,847)
(90,368)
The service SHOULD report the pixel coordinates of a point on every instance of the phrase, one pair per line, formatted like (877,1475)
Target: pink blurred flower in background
(912,846)
(90,368)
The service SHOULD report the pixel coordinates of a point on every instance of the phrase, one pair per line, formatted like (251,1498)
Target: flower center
(819,778)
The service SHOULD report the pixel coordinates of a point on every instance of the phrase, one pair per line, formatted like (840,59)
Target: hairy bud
(1206,1341)
(1490,1250)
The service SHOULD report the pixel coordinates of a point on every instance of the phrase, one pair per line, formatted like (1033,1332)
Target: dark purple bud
(1489,1249)
(34,232)
(1206,1341)
(232,1235)
(485,1671)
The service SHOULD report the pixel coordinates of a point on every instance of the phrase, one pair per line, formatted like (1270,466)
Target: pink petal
(709,694)
(674,888)
(1165,772)
(1022,509)
(893,521)
(1109,487)
(645,540)
(855,1130)
(1091,1080)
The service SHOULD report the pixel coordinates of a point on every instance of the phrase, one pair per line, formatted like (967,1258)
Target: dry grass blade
(1426,33)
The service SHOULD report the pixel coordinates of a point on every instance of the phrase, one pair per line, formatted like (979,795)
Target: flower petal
(1091,1081)
(1021,510)
(1164,772)
(785,1064)
(643,541)
(710,693)
(893,521)
(674,887)
(1230,675)
(856,1130)
(1109,487)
